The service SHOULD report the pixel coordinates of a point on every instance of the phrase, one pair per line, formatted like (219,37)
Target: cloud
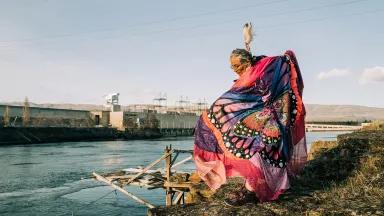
(333,73)
(374,74)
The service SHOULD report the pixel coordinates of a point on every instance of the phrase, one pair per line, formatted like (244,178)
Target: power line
(148,23)
(320,19)
(319,7)
(262,27)
(214,12)
(236,20)
(271,27)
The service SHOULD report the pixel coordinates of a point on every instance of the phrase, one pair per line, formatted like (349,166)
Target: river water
(54,178)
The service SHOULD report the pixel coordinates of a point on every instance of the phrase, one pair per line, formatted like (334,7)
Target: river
(54,178)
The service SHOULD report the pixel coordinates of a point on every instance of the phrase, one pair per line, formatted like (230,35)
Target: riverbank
(32,135)
(343,178)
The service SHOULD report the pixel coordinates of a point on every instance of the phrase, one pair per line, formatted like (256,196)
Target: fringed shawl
(255,129)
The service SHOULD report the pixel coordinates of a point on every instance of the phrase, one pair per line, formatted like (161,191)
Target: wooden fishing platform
(175,183)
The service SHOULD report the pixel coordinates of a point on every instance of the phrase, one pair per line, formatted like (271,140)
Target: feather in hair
(248,35)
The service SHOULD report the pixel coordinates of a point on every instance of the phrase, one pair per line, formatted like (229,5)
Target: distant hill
(60,106)
(315,112)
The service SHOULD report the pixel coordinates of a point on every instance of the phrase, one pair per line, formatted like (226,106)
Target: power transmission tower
(160,101)
(183,103)
(201,106)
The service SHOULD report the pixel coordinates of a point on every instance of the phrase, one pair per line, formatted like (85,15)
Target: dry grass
(343,178)
(318,147)
(374,125)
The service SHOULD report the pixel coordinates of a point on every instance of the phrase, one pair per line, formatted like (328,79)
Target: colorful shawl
(255,130)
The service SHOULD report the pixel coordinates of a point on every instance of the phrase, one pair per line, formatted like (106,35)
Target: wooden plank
(177,190)
(149,166)
(128,177)
(114,177)
(183,151)
(139,200)
(137,170)
(174,158)
(147,185)
(178,198)
(182,161)
(168,190)
(177,185)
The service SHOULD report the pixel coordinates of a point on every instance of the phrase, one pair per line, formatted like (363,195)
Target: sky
(78,51)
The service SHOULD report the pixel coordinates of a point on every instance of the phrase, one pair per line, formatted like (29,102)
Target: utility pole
(26,114)
(6,117)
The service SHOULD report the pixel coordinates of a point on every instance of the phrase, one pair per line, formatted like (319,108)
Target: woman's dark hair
(245,56)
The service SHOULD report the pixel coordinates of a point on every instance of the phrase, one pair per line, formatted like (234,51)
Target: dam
(24,124)
(329,127)
(34,124)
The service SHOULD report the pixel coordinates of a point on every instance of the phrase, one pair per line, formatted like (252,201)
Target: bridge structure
(328,127)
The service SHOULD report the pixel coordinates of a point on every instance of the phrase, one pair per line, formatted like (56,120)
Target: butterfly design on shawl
(251,122)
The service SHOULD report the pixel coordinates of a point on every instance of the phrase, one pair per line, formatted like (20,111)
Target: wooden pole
(174,158)
(102,179)
(178,198)
(178,185)
(183,151)
(182,161)
(168,190)
(168,153)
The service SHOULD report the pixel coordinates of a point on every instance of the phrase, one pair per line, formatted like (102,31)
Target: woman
(256,129)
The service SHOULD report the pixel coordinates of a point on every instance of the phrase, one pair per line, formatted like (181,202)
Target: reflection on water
(112,161)
(326,136)
(55,178)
